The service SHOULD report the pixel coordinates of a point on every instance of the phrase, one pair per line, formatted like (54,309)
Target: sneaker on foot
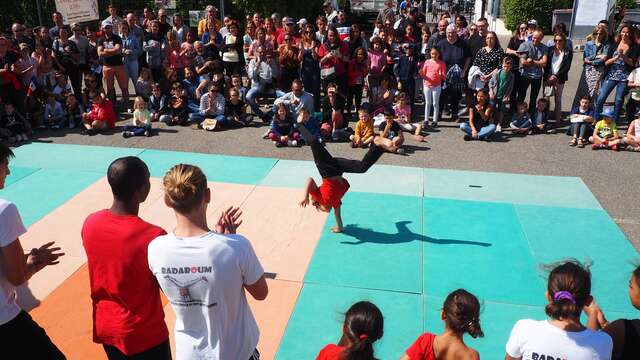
(126,134)
(499,128)
(266,134)
(147,133)
(467,137)
(614,147)
(400,151)
(597,146)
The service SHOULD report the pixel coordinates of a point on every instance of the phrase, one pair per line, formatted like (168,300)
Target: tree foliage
(519,11)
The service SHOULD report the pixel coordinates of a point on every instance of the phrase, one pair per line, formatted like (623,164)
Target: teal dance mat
(411,237)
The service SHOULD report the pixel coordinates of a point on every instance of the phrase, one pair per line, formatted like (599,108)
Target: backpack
(454,79)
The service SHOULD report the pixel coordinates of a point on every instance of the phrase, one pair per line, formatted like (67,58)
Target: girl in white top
(141,120)
(204,273)
(562,336)
(633,135)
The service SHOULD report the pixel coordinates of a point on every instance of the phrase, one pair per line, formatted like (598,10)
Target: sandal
(580,143)
(573,142)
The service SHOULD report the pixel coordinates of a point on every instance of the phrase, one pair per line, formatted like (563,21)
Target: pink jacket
(433,72)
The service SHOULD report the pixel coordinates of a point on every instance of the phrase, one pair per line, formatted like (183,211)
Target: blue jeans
(137,130)
(254,92)
(606,88)
(132,68)
(482,133)
(198,118)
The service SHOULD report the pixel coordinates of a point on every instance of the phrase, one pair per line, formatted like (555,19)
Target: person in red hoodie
(128,319)
(102,116)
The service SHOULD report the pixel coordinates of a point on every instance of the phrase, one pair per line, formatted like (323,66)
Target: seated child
(581,122)
(236,82)
(403,117)
(33,110)
(605,134)
(144,83)
(363,326)
(178,111)
(520,123)
(363,134)
(53,112)
(390,130)
(74,111)
(91,84)
(236,110)
(333,119)
(480,125)
(14,125)
(282,130)
(141,120)
(540,117)
(101,116)
(62,88)
(460,314)
(633,135)
(158,104)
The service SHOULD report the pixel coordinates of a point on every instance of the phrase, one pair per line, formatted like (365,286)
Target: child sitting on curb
(521,123)
(402,112)
(141,120)
(390,130)
(581,122)
(363,134)
(282,130)
(605,135)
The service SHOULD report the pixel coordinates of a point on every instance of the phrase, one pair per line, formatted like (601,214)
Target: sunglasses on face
(558,40)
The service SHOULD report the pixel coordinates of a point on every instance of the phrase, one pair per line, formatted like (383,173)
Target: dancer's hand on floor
(304,202)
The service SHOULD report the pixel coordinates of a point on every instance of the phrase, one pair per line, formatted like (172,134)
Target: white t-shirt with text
(203,279)
(11,227)
(537,340)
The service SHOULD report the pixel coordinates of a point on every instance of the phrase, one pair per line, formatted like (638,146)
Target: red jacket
(357,72)
(103,112)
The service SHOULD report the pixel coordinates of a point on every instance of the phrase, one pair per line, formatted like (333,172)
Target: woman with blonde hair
(204,272)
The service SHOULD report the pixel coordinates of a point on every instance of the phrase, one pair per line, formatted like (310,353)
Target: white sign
(166,4)
(195,16)
(78,10)
(589,13)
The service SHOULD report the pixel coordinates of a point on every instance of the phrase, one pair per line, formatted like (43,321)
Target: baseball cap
(327,3)
(288,20)
(302,22)
(23,46)
(608,113)
(533,22)
(106,23)
(76,27)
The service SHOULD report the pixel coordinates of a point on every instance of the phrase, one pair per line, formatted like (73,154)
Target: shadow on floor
(403,235)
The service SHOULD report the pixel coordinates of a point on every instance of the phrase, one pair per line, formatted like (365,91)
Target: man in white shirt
(20,336)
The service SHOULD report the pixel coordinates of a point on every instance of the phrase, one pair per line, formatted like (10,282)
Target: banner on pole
(78,10)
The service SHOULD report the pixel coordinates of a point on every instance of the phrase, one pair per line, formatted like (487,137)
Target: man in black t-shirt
(110,49)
